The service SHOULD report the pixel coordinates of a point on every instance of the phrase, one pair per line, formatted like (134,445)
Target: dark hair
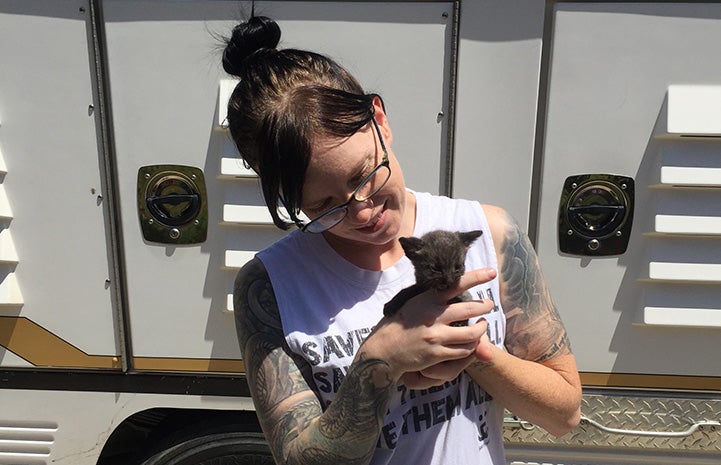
(286,98)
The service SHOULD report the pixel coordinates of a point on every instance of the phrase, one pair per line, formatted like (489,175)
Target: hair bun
(259,32)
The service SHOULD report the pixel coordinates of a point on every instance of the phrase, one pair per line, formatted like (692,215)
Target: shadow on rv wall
(490,20)
(222,237)
(279,11)
(661,9)
(66,9)
(653,349)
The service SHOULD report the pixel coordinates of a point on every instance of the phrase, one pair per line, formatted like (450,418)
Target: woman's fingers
(483,349)
(424,329)
(415,380)
(467,281)
(463,311)
(449,370)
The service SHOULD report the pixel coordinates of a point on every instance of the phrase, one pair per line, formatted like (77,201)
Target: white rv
(125,212)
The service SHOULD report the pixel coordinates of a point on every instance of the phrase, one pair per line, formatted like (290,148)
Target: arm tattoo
(365,400)
(290,413)
(534,327)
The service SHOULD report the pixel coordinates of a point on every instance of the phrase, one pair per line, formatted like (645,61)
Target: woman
(332,380)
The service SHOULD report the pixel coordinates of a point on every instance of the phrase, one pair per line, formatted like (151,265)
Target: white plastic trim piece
(691,176)
(225,89)
(694,110)
(681,224)
(3,167)
(42,430)
(693,317)
(5,210)
(234,167)
(229,308)
(25,457)
(238,258)
(10,291)
(7,247)
(702,272)
(246,214)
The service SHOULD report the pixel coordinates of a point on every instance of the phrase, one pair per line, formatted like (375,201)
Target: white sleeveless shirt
(328,306)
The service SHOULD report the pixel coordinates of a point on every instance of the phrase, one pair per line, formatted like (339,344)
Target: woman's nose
(360,211)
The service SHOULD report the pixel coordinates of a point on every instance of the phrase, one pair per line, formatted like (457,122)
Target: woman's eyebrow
(366,164)
(362,168)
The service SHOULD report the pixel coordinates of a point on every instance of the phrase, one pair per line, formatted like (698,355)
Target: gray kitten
(439,261)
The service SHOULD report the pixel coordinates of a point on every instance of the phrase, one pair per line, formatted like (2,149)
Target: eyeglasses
(367,188)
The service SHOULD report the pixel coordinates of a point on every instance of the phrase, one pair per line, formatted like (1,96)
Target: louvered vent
(27,443)
(244,210)
(684,266)
(9,291)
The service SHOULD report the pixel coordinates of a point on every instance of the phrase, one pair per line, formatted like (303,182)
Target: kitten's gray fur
(439,260)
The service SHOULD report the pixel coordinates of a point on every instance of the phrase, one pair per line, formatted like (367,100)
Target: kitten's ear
(411,245)
(468,237)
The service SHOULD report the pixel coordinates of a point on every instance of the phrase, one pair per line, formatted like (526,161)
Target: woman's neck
(377,257)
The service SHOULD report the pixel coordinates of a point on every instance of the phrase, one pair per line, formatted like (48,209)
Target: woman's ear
(379,114)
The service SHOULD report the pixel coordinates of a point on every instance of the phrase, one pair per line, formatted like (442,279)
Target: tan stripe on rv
(188,364)
(630,380)
(40,347)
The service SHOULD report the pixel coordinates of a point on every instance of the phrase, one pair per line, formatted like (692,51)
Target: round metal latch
(595,214)
(172,204)
(173,199)
(597,209)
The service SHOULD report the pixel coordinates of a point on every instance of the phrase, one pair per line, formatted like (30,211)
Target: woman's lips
(376,223)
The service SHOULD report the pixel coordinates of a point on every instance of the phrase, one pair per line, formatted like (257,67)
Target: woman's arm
(290,414)
(537,378)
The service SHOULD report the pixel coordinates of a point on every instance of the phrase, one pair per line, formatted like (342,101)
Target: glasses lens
(327,220)
(373,183)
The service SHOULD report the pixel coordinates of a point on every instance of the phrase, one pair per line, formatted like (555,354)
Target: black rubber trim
(106,381)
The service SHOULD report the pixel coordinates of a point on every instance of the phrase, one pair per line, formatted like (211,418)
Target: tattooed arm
(536,378)
(297,429)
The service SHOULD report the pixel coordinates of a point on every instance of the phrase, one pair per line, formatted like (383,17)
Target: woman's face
(337,167)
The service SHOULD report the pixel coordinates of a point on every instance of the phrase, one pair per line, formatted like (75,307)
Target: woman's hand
(439,373)
(419,343)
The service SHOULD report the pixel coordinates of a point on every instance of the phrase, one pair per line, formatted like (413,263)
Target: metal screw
(570,232)
(174,233)
(150,221)
(624,186)
(445,15)
(593,244)
(574,185)
(147,175)
(619,234)
(196,222)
